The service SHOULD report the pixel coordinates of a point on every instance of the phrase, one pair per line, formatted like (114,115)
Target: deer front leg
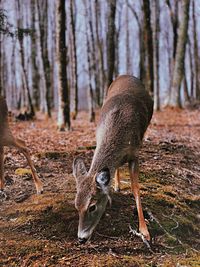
(117,181)
(134,173)
(22,148)
(2,182)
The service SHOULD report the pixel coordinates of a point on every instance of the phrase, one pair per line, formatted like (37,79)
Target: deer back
(124,118)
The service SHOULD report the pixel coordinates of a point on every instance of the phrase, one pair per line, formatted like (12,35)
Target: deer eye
(92,208)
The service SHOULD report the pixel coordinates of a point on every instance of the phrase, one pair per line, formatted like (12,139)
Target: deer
(7,139)
(125,115)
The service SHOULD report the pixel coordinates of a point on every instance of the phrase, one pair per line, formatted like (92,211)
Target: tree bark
(196,53)
(89,56)
(191,71)
(128,51)
(63,90)
(140,22)
(21,49)
(111,42)
(102,76)
(74,63)
(1,69)
(42,7)
(178,73)
(148,40)
(94,68)
(156,30)
(35,71)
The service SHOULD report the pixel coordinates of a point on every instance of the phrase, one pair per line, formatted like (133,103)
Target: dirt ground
(41,230)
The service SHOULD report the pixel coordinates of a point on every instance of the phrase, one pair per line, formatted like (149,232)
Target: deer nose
(82,240)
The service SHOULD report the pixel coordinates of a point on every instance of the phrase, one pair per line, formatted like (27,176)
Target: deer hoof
(117,189)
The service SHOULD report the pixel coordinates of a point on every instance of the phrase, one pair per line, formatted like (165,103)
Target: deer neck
(104,157)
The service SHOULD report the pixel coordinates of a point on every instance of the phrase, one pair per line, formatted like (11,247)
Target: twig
(144,240)
(111,237)
(153,218)
(70,258)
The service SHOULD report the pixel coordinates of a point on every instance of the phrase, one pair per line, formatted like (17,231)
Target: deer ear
(79,168)
(103,179)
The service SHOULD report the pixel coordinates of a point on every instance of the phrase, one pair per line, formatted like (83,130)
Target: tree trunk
(196,53)
(128,52)
(42,7)
(156,30)
(89,55)
(140,22)
(35,71)
(1,69)
(63,90)
(74,63)
(178,73)
(94,68)
(191,71)
(21,50)
(148,40)
(111,42)
(102,76)
(185,87)
(90,91)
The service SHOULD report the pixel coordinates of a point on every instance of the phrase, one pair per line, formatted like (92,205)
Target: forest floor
(41,230)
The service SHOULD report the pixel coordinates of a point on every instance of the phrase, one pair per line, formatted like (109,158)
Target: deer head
(91,198)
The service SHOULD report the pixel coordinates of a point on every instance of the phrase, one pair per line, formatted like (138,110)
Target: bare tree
(63,90)
(196,53)
(74,62)
(24,69)
(111,41)
(1,71)
(148,40)
(140,23)
(89,62)
(156,29)
(178,73)
(42,8)
(100,45)
(35,71)
(128,51)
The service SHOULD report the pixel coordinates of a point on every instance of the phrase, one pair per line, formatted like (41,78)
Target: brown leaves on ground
(42,230)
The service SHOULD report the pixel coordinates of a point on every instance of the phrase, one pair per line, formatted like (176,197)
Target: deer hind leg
(134,173)
(22,148)
(2,181)
(117,181)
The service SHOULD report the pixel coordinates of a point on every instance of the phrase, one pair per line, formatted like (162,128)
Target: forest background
(156,41)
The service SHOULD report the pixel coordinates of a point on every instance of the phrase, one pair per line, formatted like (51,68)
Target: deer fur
(124,118)
(7,139)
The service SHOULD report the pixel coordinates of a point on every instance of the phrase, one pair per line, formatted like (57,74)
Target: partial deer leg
(2,182)
(134,173)
(22,148)
(117,181)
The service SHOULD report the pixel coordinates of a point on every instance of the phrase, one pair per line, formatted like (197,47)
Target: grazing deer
(7,139)
(124,118)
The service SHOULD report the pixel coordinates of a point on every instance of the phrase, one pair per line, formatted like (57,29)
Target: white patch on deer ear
(79,168)
(103,180)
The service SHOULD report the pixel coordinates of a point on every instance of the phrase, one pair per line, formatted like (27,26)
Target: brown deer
(124,118)
(7,139)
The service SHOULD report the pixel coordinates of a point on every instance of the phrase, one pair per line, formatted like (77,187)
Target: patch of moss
(22,171)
